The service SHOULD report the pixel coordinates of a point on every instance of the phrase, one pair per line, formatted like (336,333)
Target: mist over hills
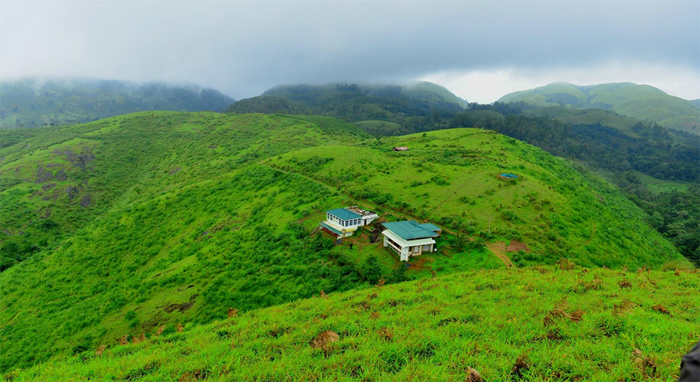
(34,102)
(379,109)
(642,102)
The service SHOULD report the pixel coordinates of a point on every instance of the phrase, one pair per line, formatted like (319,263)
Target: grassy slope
(151,185)
(35,102)
(450,177)
(197,209)
(637,101)
(432,330)
(119,161)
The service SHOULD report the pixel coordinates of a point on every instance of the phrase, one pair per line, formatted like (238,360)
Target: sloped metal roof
(410,230)
(343,214)
(335,231)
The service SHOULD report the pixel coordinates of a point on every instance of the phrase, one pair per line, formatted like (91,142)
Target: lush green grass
(449,177)
(37,102)
(192,213)
(637,101)
(538,324)
(379,128)
(125,160)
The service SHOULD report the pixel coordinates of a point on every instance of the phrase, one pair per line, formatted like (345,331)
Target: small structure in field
(343,222)
(507,176)
(401,148)
(410,238)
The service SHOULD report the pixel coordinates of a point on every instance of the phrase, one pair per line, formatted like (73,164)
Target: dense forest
(354,103)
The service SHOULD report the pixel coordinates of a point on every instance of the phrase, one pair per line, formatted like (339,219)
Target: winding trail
(499,249)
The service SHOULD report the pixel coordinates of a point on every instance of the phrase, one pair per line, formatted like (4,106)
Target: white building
(409,238)
(343,222)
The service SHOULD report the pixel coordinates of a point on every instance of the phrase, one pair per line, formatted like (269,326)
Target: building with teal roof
(410,238)
(343,222)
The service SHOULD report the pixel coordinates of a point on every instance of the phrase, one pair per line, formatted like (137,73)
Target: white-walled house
(409,238)
(343,222)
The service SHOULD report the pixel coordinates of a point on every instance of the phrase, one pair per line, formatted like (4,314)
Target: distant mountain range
(642,102)
(36,102)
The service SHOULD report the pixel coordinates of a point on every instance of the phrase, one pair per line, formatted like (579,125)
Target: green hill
(637,101)
(402,107)
(129,223)
(586,117)
(37,102)
(537,324)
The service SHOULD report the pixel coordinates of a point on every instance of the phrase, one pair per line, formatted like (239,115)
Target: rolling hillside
(37,102)
(158,218)
(537,324)
(657,168)
(637,101)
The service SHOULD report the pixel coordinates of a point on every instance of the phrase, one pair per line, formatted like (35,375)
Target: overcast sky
(480,50)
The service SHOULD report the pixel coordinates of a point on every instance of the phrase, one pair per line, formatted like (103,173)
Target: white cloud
(486,86)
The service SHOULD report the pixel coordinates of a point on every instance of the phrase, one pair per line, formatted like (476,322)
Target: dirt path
(499,249)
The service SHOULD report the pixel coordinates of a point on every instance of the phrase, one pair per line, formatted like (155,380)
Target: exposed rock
(49,186)
(72,192)
(85,201)
(43,175)
(61,176)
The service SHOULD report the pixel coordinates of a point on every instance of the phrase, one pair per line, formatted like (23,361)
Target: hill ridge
(643,102)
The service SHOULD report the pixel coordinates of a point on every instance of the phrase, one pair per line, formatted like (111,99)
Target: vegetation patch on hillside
(545,323)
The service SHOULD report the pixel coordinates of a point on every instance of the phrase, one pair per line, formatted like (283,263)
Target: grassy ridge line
(562,323)
(637,101)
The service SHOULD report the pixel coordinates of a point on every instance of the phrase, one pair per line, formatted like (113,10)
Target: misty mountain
(369,106)
(643,102)
(36,102)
